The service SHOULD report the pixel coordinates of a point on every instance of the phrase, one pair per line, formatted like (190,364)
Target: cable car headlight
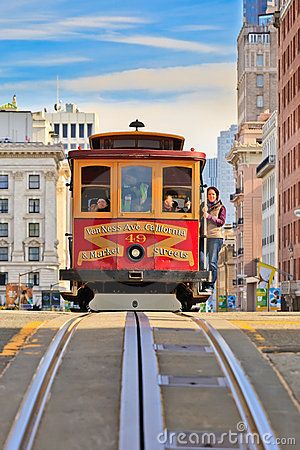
(135,252)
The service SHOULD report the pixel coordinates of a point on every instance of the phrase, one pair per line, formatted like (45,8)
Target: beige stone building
(256,71)
(245,155)
(63,217)
(225,284)
(256,94)
(28,215)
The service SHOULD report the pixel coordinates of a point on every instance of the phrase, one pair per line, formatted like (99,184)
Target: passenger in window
(100,205)
(187,208)
(135,195)
(169,205)
(103,205)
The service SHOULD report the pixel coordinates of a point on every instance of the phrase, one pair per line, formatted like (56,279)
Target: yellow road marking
(270,321)
(14,345)
(247,327)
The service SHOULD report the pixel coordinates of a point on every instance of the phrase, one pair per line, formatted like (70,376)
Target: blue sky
(169,63)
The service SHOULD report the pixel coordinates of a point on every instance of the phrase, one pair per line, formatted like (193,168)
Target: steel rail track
(141,416)
(26,423)
(250,408)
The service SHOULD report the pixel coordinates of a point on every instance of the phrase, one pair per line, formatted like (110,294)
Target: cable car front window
(177,189)
(136,194)
(124,143)
(95,189)
(149,143)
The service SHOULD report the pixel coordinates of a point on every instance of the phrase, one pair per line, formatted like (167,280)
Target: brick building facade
(245,155)
(289,138)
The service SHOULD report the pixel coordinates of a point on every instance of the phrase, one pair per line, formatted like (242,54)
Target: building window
(65,130)
(34,278)
(33,229)
(66,147)
(73,130)
(3,229)
(56,128)
(3,253)
(259,80)
(33,253)
(3,181)
(73,146)
(259,38)
(81,130)
(260,59)
(3,205)
(34,181)
(3,278)
(259,101)
(34,205)
(89,129)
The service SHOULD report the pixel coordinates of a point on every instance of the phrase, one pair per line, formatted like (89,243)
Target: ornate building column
(50,248)
(17,209)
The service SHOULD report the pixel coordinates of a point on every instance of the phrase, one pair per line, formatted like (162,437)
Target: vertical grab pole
(205,230)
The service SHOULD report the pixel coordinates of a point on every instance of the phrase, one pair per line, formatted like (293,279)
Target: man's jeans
(213,248)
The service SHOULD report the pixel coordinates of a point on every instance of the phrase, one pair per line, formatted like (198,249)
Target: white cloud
(162,80)
(199,121)
(198,28)
(102,21)
(204,102)
(47,28)
(50,60)
(24,33)
(205,78)
(168,43)
(204,105)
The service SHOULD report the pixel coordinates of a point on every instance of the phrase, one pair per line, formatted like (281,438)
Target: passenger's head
(212,194)
(101,203)
(168,201)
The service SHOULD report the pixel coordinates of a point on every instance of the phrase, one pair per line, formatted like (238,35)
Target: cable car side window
(177,189)
(136,193)
(95,189)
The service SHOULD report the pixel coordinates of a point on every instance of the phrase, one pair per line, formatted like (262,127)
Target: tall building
(252,9)
(289,141)
(245,155)
(257,71)
(256,98)
(71,127)
(28,215)
(225,177)
(267,171)
(210,172)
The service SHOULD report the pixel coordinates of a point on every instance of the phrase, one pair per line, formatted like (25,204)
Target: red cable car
(135,219)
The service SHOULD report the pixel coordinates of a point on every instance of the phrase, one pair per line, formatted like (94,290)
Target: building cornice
(239,148)
(31,150)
